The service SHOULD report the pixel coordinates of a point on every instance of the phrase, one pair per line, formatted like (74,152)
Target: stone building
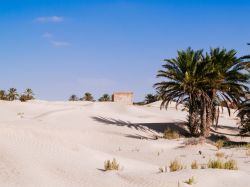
(123,97)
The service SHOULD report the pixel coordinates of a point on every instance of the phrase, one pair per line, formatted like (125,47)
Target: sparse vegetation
(194,165)
(219,144)
(88,97)
(73,98)
(111,165)
(220,154)
(231,165)
(219,164)
(176,166)
(190,181)
(105,98)
(171,134)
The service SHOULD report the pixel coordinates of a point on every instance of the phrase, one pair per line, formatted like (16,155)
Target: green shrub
(176,166)
(171,134)
(111,165)
(194,165)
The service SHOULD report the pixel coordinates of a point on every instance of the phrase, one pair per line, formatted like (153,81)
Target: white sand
(66,143)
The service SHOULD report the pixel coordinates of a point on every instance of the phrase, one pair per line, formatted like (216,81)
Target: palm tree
(2,95)
(183,82)
(105,97)
(227,83)
(150,98)
(88,97)
(73,98)
(244,115)
(29,93)
(12,95)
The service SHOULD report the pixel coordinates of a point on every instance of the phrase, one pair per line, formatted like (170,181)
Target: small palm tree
(12,95)
(73,98)
(244,115)
(2,95)
(150,98)
(29,93)
(88,97)
(105,97)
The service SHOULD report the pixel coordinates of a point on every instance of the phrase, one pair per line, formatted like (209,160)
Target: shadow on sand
(145,127)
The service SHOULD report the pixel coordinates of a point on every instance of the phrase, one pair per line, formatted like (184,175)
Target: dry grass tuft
(194,165)
(171,134)
(220,154)
(111,165)
(176,166)
(190,181)
(219,144)
(219,164)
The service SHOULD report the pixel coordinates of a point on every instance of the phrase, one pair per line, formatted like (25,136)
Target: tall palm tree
(183,82)
(227,82)
(88,97)
(2,95)
(105,97)
(150,98)
(12,95)
(73,98)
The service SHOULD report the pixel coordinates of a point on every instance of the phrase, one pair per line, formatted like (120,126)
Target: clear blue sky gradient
(106,46)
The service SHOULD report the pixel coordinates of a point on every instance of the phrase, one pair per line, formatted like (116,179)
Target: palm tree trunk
(203,119)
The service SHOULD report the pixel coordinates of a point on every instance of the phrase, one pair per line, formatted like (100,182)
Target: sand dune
(66,143)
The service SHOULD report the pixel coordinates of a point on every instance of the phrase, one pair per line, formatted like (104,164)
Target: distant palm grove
(204,82)
(12,95)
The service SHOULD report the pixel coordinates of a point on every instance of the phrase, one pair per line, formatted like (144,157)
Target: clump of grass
(215,164)
(219,164)
(219,144)
(194,165)
(231,165)
(176,166)
(111,165)
(171,134)
(194,141)
(190,181)
(220,154)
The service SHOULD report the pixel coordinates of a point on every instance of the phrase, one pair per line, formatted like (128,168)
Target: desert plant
(215,164)
(176,166)
(244,115)
(194,165)
(29,94)
(111,165)
(171,134)
(219,164)
(3,95)
(150,98)
(73,98)
(220,154)
(219,144)
(231,165)
(87,97)
(190,181)
(12,94)
(104,98)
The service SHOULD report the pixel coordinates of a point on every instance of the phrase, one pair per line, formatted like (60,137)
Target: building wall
(123,97)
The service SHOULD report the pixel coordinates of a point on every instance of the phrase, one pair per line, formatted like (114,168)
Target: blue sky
(58,48)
